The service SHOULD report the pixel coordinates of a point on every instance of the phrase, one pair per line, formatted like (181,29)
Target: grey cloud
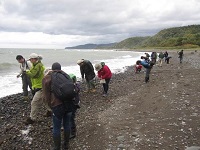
(112,19)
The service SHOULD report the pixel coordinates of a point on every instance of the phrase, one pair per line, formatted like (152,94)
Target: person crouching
(105,75)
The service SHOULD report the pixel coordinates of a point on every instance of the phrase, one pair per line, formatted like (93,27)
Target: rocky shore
(163,114)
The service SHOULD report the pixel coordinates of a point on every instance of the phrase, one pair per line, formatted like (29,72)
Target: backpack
(62,86)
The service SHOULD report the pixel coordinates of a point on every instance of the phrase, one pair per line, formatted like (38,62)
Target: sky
(63,23)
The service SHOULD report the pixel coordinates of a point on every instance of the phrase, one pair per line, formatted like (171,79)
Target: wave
(7,66)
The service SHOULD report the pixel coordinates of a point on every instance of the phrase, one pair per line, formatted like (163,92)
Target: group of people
(45,91)
(148,61)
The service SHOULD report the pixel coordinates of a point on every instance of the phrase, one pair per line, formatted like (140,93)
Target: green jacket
(36,74)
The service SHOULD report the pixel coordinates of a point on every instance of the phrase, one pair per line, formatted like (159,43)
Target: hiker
(61,106)
(76,106)
(153,57)
(87,73)
(26,82)
(105,75)
(147,55)
(160,56)
(166,55)
(148,66)
(138,66)
(167,59)
(180,56)
(36,74)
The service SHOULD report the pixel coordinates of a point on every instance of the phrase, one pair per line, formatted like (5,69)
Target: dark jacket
(87,70)
(49,96)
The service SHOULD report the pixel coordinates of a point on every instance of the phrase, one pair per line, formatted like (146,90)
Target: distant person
(76,106)
(148,65)
(87,73)
(153,57)
(61,108)
(180,56)
(36,73)
(26,82)
(160,56)
(147,55)
(104,74)
(166,55)
(138,66)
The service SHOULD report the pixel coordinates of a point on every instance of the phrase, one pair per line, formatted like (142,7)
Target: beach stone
(193,148)
(121,138)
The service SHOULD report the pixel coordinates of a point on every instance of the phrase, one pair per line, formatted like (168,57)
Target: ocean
(9,67)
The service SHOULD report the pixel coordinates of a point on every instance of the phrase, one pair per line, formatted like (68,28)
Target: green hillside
(178,37)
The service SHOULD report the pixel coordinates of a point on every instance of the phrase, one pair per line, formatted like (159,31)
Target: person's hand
(18,75)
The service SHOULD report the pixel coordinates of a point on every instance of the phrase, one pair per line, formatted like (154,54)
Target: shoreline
(162,114)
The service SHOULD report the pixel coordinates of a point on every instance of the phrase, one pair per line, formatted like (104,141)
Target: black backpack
(62,86)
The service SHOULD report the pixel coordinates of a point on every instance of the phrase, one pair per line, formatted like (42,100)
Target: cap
(80,61)
(98,67)
(33,55)
(56,66)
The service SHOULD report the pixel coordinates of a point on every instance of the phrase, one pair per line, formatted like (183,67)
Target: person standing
(26,82)
(36,74)
(76,105)
(181,56)
(160,56)
(62,112)
(166,56)
(104,73)
(148,65)
(153,57)
(87,72)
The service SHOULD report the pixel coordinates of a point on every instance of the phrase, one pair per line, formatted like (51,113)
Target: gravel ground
(163,114)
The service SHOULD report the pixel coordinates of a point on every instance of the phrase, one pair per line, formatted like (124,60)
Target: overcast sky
(61,23)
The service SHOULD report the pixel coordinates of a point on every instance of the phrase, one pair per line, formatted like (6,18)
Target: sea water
(9,67)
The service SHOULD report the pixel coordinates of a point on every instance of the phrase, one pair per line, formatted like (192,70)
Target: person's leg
(25,85)
(35,104)
(147,75)
(73,123)
(29,83)
(57,120)
(92,85)
(67,128)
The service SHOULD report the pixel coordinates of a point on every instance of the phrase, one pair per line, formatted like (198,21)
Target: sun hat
(98,67)
(33,55)
(80,61)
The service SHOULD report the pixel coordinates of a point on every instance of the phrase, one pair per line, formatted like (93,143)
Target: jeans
(106,85)
(61,117)
(148,70)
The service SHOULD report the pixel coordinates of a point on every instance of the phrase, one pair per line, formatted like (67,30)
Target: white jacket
(26,65)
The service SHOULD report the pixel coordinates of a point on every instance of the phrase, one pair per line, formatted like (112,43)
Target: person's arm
(34,71)
(46,89)
(82,71)
(29,65)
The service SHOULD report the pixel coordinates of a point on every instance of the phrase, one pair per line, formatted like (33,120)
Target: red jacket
(104,73)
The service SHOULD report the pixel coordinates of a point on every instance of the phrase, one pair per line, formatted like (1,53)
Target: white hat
(80,61)
(98,67)
(33,55)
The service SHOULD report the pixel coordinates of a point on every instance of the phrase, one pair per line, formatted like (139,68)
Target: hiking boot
(105,95)
(29,121)
(93,90)
(72,133)
(86,91)
(48,114)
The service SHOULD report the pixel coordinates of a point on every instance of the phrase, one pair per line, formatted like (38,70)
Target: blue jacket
(145,64)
